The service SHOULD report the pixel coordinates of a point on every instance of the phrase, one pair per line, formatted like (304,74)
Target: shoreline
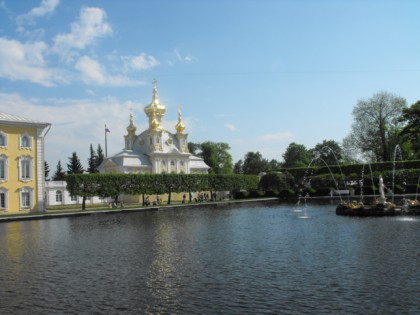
(76,213)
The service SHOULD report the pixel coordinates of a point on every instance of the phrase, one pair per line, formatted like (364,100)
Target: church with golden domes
(155,150)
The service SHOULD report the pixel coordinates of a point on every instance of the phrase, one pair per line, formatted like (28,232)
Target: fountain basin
(377,210)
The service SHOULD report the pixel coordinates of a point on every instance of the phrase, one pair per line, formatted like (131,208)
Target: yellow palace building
(22,177)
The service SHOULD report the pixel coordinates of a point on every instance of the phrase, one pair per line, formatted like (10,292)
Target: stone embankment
(53,214)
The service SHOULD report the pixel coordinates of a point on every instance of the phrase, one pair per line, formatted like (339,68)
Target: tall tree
(46,170)
(92,161)
(254,163)
(59,173)
(376,125)
(411,131)
(296,155)
(329,151)
(74,166)
(193,148)
(238,168)
(274,165)
(100,155)
(216,155)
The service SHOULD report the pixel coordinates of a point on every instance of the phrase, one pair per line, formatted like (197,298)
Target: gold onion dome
(180,127)
(131,128)
(155,105)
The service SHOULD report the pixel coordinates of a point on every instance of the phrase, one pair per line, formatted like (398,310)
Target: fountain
(381,206)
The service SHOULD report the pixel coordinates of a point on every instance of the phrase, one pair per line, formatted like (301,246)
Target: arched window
(172,163)
(25,141)
(58,196)
(3,199)
(26,198)
(3,139)
(25,168)
(3,168)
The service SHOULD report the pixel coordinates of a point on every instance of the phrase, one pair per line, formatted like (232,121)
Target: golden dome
(154,124)
(155,105)
(180,127)
(131,128)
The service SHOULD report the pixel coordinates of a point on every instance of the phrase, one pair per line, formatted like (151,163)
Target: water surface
(261,260)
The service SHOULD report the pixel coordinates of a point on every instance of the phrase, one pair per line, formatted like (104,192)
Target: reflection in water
(161,275)
(237,261)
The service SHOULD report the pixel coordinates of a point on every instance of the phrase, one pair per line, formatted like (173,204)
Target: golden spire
(155,110)
(131,128)
(180,127)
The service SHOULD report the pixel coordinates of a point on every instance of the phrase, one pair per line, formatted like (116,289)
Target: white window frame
(58,196)
(26,191)
(29,138)
(73,198)
(4,160)
(25,161)
(4,135)
(4,193)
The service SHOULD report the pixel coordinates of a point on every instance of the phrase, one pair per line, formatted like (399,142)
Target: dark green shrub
(255,194)
(271,193)
(412,189)
(240,194)
(322,191)
(287,193)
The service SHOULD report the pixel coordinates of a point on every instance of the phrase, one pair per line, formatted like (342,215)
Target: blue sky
(257,75)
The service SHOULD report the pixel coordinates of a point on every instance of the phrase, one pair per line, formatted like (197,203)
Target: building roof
(13,119)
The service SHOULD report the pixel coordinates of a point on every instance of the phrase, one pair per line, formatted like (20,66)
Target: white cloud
(46,7)
(93,72)
(90,26)
(20,61)
(142,62)
(187,58)
(76,123)
(281,136)
(231,127)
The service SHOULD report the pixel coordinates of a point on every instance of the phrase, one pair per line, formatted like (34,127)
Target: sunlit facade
(21,164)
(155,150)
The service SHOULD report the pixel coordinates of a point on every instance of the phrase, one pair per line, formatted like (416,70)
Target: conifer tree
(92,161)
(59,173)
(74,166)
(99,157)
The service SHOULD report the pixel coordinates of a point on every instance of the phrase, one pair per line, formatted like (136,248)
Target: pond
(249,260)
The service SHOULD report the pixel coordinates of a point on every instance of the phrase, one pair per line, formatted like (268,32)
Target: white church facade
(155,150)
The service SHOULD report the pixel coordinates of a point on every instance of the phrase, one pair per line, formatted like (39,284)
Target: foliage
(215,155)
(273,181)
(328,150)
(254,163)
(59,173)
(411,131)
(296,155)
(193,148)
(105,185)
(92,161)
(238,168)
(74,166)
(99,156)
(376,125)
